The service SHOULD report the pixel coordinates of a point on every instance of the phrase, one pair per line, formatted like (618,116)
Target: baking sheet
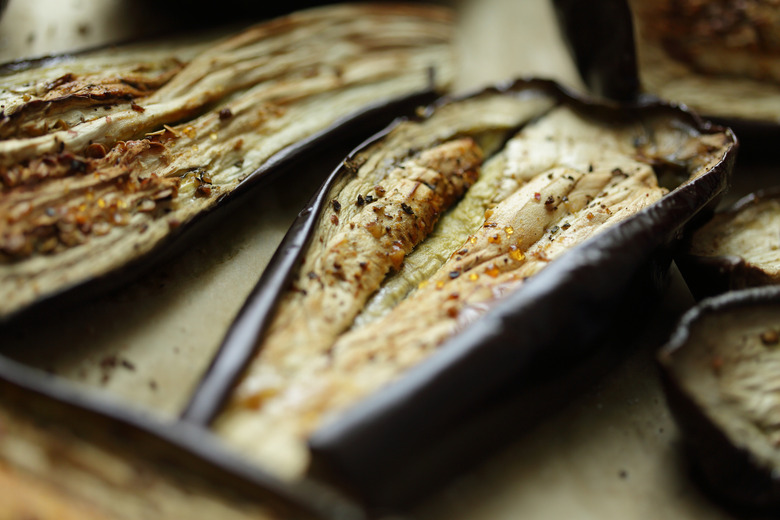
(612,453)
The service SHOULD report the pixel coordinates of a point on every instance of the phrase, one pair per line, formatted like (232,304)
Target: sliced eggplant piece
(360,310)
(721,377)
(107,155)
(738,248)
(719,57)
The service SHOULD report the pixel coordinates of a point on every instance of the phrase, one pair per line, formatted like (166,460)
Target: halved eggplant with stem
(738,248)
(721,371)
(106,155)
(435,267)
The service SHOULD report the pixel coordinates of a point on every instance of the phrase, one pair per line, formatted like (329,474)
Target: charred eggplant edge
(352,450)
(728,473)
(712,275)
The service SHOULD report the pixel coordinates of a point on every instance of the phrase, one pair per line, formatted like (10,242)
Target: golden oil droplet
(494,239)
(473,277)
(439,284)
(509,230)
(516,254)
(423,284)
(213,136)
(473,240)
(492,271)
(101,203)
(488,213)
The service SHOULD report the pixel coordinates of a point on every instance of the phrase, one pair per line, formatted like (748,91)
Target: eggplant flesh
(738,248)
(105,155)
(720,58)
(373,297)
(721,375)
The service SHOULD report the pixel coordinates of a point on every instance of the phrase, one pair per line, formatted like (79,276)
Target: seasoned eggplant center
(336,338)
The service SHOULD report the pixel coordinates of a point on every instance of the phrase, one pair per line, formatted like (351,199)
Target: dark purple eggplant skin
(708,276)
(600,37)
(728,473)
(446,413)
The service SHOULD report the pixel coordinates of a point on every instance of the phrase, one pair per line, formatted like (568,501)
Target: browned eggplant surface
(721,371)
(106,154)
(720,57)
(428,229)
(739,247)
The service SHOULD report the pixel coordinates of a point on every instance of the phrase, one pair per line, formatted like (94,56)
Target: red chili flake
(137,107)
(380,191)
(336,205)
(770,337)
(334,219)
(537,196)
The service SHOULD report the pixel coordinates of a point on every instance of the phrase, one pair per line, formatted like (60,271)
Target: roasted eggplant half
(436,265)
(720,373)
(718,57)
(738,248)
(107,155)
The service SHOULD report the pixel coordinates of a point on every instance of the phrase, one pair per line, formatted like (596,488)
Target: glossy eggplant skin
(600,37)
(513,366)
(708,276)
(731,474)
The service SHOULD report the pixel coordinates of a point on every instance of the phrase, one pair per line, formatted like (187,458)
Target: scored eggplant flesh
(720,58)
(97,168)
(541,191)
